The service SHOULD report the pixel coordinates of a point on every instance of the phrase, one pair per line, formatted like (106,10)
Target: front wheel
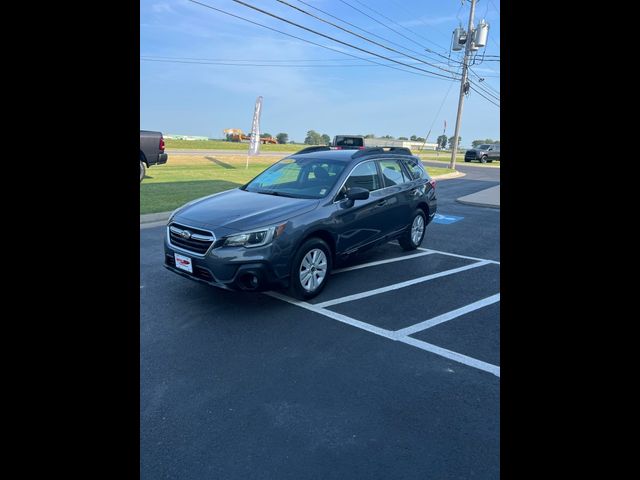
(142,170)
(310,269)
(415,234)
(483,159)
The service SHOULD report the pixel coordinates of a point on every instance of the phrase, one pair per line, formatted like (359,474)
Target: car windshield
(483,147)
(298,178)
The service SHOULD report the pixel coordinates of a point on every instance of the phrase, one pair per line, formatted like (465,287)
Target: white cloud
(162,7)
(428,21)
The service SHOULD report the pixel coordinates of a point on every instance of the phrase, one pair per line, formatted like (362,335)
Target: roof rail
(381,151)
(312,149)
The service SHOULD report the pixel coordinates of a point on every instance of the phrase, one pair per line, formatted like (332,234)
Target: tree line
(315,138)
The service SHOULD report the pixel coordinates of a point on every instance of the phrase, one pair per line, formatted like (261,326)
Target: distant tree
(419,139)
(403,138)
(388,136)
(326,139)
(370,135)
(282,138)
(265,135)
(451,141)
(475,143)
(442,141)
(313,138)
(413,138)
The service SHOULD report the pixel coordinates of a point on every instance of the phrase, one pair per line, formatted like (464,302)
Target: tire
(317,253)
(467,160)
(143,170)
(483,159)
(414,234)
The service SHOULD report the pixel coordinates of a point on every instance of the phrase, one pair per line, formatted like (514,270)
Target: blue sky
(203,99)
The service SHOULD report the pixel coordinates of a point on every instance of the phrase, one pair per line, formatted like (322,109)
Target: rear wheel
(310,269)
(415,234)
(142,170)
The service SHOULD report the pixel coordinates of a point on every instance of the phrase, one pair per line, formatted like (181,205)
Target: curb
(448,176)
(471,199)
(155,218)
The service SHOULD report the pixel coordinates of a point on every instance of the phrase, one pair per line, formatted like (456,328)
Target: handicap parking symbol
(446,219)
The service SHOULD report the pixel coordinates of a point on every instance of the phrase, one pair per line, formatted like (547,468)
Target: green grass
(187,177)
(184,178)
(435,171)
(222,145)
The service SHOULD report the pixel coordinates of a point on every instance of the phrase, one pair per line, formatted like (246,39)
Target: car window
(298,178)
(415,169)
(392,172)
(364,175)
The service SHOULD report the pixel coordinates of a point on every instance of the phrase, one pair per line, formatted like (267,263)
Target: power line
(481,88)
(371,33)
(435,117)
(309,41)
(487,84)
(332,38)
(256,60)
(360,36)
(195,62)
(401,26)
(487,99)
(494,6)
(387,26)
(412,13)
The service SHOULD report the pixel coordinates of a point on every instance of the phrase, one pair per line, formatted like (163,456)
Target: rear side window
(392,172)
(415,168)
(364,175)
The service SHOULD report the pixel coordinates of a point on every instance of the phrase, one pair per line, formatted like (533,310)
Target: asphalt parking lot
(392,372)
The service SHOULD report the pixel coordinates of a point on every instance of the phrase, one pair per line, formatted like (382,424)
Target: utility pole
(463,82)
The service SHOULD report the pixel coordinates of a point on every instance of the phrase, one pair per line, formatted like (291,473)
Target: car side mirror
(357,193)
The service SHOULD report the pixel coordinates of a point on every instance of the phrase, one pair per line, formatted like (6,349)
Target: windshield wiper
(278,194)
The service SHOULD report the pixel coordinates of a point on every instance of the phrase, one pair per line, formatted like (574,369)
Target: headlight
(255,238)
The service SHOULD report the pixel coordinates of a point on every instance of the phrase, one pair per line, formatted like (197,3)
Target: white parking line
(402,335)
(334,315)
(445,317)
(395,286)
(459,256)
(443,352)
(382,262)
(457,357)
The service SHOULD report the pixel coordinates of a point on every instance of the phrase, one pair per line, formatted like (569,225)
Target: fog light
(253,280)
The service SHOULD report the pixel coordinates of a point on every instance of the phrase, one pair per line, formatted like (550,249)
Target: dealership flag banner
(254,146)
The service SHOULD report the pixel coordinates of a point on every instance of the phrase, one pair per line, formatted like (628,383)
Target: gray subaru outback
(288,226)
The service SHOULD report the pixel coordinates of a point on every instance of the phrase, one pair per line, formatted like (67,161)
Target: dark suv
(289,225)
(348,142)
(483,153)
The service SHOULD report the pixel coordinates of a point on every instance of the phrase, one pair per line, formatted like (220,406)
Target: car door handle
(381,203)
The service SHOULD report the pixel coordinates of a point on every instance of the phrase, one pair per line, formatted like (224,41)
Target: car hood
(239,210)
(477,150)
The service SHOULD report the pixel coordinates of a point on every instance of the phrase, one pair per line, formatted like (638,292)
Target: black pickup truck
(151,150)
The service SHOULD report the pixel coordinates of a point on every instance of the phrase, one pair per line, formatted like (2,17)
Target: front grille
(190,239)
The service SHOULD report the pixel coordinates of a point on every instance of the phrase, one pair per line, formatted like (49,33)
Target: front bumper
(233,268)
